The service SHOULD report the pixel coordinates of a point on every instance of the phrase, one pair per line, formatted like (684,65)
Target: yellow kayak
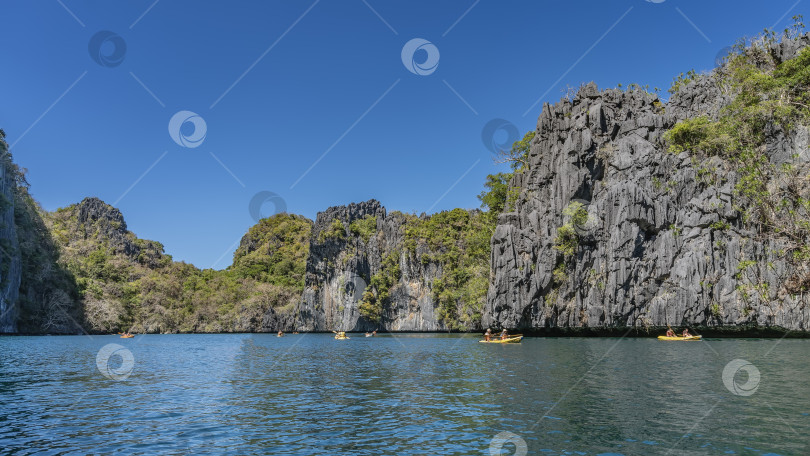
(342,338)
(508,340)
(679,338)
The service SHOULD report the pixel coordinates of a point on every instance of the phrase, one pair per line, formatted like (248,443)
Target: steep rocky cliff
(10,262)
(612,229)
(343,259)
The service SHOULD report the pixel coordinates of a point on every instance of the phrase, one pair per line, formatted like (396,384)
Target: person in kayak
(504,335)
(488,335)
(670,332)
(686,333)
(374,333)
(280,333)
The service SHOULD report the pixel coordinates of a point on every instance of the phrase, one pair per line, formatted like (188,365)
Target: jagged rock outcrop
(10,262)
(341,264)
(93,219)
(663,241)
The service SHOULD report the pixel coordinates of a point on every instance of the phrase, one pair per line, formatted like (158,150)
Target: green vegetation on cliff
(376,296)
(275,251)
(127,283)
(770,98)
(458,240)
(364,227)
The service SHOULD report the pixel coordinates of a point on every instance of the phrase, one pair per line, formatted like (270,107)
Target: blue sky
(282,84)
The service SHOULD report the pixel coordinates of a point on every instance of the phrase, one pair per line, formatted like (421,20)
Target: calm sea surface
(405,395)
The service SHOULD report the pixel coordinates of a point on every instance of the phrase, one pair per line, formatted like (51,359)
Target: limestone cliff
(659,236)
(343,260)
(10,263)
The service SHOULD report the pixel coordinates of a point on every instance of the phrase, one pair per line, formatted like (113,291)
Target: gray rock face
(10,262)
(654,250)
(339,270)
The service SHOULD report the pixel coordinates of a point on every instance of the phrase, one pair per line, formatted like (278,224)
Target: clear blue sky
(331,79)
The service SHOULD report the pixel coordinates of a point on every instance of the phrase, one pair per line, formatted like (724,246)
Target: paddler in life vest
(686,333)
(504,335)
(488,335)
(670,332)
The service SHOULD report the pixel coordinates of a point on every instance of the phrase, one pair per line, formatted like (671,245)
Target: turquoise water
(404,395)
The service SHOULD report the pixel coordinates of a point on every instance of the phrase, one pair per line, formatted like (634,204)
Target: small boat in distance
(341,335)
(127,336)
(679,338)
(509,340)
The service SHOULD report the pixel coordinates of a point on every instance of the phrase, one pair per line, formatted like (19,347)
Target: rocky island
(622,211)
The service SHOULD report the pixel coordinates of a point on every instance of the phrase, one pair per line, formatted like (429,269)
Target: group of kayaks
(509,339)
(516,338)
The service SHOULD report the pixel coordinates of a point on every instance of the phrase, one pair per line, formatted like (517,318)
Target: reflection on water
(405,395)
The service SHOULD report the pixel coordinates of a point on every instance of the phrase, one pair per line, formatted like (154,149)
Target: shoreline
(714,332)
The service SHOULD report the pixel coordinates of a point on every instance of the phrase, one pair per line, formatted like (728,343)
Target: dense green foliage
(494,198)
(335,232)
(364,227)
(128,283)
(275,251)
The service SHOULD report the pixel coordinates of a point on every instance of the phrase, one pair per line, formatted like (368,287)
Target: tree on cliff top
(518,155)
(498,193)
